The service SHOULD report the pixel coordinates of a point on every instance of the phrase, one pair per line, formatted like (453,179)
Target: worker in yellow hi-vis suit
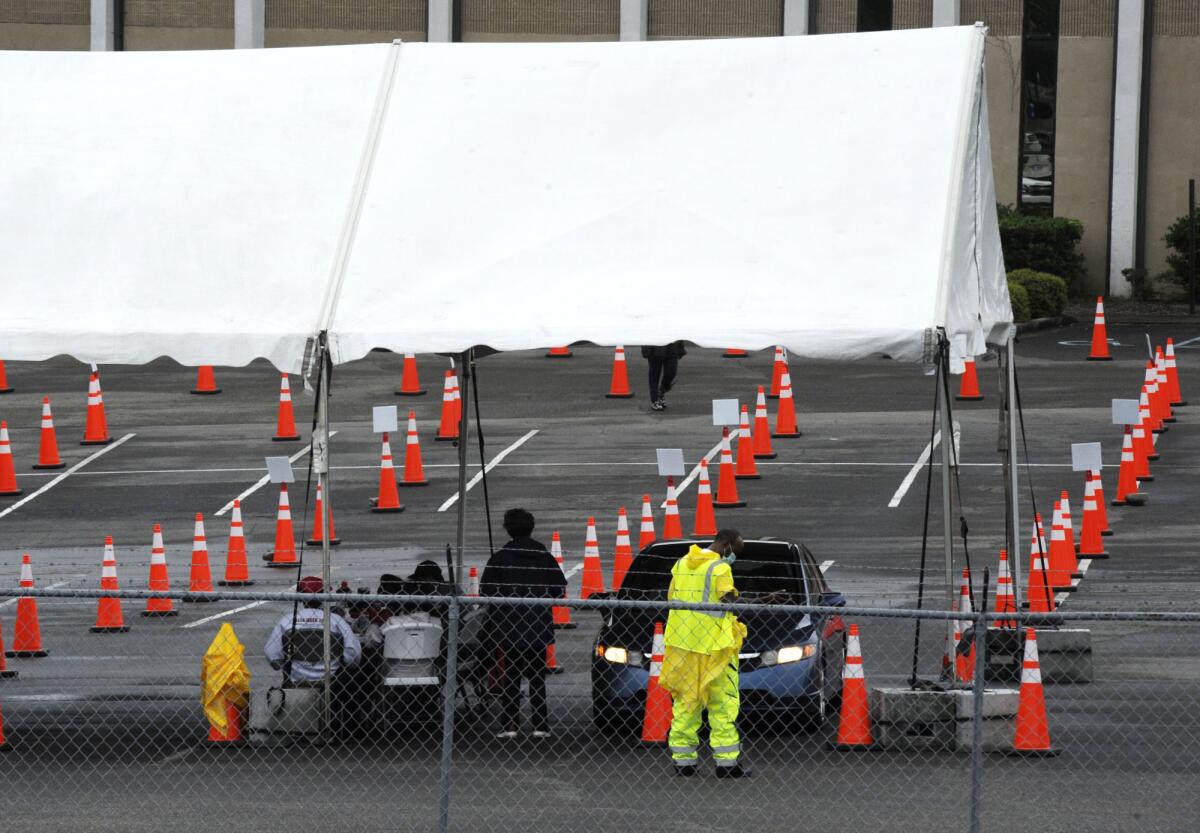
(700,660)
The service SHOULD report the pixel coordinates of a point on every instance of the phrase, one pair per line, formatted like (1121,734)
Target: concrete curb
(1046,323)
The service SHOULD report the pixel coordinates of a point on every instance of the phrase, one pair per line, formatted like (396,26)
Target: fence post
(449,698)
(977,689)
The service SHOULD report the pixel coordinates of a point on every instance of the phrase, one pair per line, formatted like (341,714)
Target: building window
(874,15)
(1039,91)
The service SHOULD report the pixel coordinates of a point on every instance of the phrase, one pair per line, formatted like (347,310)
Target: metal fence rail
(107,732)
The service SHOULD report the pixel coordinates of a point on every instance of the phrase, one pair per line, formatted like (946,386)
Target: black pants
(662,375)
(525,664)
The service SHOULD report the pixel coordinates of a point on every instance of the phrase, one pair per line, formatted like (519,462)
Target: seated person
(310,618)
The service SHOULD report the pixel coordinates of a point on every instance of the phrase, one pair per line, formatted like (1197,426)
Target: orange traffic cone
(762,428)
(968,390)
(1091,545)
(8,473)
(448,428)
(1173,390)
(785,416)
(109,616)
(619,386)
(237,570)
(1164,385)
(389,495)
(1127,481)
(5,387)
(159,580)
(1032,735)
(734,353)
(1099,336)
(593,578)
(414,471)
(646,536)
(562,613)
(559,353)
(206,381)
(623,552)
(746,468)
(964,662)
(473,581)
(854,725)
(1157,415)
(1062,558)
(1069,534)
(1097,482)
(1143,443)
(1038,594)
(232,733)
(95,430)
(706,521)
(284,554)
(672,523)
(1006,601)
(318,530)
(200,580)
(552,666)
(410,382)
(656,721)
(285,422)
(727,494)
(48,451)
(779,368)
(27,631)
(6,673)
(456,399)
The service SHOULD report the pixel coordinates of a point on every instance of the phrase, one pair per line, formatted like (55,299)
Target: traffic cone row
(27,630)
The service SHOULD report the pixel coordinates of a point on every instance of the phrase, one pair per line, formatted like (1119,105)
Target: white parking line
(573,570)
(453,499)
(922,460)
(693,474)
(221,615)
(825,565)
(56,584)
(265,479)
(66,474)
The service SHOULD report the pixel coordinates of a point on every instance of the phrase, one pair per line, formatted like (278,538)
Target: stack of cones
(1143,440)
(5,387)
(410,383)
(1176,395)
(1099,336)
(762,428)
(48,450)
(1091,524)
(623,552)
(159,580)
(706,520)
(619,386)
(656,722)
(1039,594)
(785,417)
(1153,402)
(414,471)
(1164,392)
(318,530)
(672,523)
(1032,735)
(109,616)
(27,631)
(1006,601)
(746,467)
(284,554)
(1127,482)
(206,381)
(593,578)
(647,535)
(200,580)
(854,725)
(968,390)
(8,472)
(448,427)
(559,353)
(779,368)
(95,430)
(389,495)
(727,494)
(285,422)
(237,570)
(1062,555)
(561,613)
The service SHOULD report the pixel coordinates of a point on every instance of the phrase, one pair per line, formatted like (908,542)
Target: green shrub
(1047,293)
(1043,244)
(1019,298)
(1176,239)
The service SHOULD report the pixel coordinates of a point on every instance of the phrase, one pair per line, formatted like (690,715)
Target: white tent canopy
(833,194)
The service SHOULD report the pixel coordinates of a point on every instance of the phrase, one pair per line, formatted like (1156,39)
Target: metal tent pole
(947,449)
(464,422)
(1014,503)
(320,452)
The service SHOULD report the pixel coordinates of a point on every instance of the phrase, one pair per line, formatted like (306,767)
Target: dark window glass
(874,15)
(1039,90)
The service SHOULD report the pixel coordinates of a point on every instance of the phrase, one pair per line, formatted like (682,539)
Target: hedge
(1042,244)
(1019,297)
(1047,294)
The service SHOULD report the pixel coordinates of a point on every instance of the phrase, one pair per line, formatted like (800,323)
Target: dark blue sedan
(790,663)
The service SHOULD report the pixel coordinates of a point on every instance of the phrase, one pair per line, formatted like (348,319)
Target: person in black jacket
(664,362)
(523,568)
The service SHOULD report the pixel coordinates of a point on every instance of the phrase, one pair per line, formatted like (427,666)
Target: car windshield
(763,567)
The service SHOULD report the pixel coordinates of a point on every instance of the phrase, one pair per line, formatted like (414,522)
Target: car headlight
(791,653)
(615,655)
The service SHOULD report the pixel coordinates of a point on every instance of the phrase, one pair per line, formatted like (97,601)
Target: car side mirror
(833,599)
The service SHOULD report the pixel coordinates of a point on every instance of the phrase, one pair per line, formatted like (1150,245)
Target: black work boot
(685,770)
(735,771)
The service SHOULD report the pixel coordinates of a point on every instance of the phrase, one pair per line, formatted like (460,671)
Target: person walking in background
(664,363)
(523,568)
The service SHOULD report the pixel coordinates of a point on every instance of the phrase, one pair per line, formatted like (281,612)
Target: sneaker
(541,733)
(507,734)
(735,771)
(657,405)
(685,771)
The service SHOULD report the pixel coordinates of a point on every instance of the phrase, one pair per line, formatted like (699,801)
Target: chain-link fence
(415,730)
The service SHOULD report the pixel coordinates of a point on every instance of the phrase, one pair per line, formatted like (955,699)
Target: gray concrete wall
(39,25)
(714,18)
(323,22)
(537,20)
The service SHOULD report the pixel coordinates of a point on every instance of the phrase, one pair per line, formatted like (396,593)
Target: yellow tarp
(224,677)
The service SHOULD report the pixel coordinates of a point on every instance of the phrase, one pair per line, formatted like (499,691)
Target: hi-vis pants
(723,704)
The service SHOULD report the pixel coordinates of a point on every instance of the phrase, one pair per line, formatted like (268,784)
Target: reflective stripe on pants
(723,704)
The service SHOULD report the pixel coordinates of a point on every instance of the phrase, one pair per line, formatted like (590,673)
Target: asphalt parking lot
(106,728)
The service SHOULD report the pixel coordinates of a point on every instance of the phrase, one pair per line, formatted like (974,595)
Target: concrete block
(997,702)
(1064,640)
(937,736)
(289,711)
(903,706)
(1072,667)
(997,734)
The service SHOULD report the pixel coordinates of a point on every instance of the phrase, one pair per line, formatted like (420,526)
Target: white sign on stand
(1125,411)
(726,412)
(384,418)
(1085,457)
(279,469)
(670,462)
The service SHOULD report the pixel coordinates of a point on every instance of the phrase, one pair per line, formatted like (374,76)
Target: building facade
(1094,104)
